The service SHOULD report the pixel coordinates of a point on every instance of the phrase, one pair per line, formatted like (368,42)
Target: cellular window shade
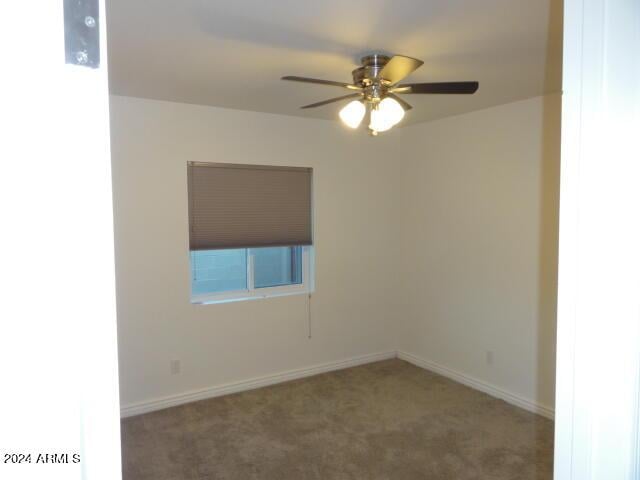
(240,206)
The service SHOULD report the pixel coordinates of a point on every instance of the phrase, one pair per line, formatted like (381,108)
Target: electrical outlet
(489,357)
(174,367)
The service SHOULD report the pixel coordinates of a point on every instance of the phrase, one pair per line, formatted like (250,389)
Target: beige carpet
(387,420)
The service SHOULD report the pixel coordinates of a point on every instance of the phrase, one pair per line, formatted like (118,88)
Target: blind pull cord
(194,259)
(309,314)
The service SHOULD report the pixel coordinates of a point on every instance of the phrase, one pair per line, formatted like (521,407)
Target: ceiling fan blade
(398,68)
(404,104)
(318,81)
(331,100)
(442,87)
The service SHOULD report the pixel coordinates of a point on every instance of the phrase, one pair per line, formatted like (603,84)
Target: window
(216,271)
(276,266)
(243,273)
(239,215)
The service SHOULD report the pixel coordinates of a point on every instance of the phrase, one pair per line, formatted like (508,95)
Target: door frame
(598,350)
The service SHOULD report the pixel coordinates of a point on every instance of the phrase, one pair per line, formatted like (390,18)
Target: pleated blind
(241,206)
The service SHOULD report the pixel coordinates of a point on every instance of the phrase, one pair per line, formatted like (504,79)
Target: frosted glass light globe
(378,122)
(353,113)
(388,113)
(392,109)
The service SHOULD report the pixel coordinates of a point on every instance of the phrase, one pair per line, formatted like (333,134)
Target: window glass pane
(215,271)
(277,266)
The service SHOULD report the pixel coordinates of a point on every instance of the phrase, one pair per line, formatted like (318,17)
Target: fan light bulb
(353,113)
(387,114)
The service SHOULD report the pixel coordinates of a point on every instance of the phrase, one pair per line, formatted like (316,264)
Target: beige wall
(438,239)
(480,203)
(217,344)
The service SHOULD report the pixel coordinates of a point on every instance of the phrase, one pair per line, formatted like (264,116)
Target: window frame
(253,293)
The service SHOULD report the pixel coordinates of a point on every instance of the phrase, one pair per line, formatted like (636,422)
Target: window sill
(248,295)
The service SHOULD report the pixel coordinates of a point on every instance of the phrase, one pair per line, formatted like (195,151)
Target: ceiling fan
(375,90)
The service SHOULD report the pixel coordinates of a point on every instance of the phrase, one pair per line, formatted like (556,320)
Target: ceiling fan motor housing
(366,76)
(368,72)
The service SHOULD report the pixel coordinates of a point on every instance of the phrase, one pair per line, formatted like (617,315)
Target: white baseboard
(216,391)
(478,385)
(226,389)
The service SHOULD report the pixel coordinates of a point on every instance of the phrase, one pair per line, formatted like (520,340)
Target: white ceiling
(232,53)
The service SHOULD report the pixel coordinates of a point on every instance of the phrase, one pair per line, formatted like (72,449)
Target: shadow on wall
(553,67)
(548,241)
(550,195)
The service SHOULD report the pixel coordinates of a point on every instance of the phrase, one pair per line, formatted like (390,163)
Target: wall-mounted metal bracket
(82,32)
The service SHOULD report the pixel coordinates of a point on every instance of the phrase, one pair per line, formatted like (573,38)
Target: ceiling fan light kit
(375,91)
